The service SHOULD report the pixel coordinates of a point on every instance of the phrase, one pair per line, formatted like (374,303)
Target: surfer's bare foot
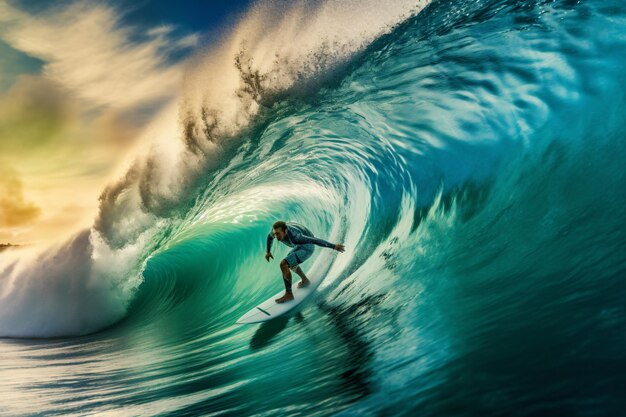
(303,283)
(287,297)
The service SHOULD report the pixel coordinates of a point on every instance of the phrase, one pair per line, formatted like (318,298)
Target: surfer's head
(279,230)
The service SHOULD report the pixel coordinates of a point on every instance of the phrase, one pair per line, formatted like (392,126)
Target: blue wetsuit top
(298,235)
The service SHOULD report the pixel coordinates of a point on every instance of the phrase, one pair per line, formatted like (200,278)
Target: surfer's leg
(284,267)
(302,253)
(304,280)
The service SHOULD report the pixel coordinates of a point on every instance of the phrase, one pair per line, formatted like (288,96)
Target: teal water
(470,159)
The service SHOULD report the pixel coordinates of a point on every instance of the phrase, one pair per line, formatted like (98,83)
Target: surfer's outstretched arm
(301,239)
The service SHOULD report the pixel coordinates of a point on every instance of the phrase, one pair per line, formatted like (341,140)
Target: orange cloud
(14,209)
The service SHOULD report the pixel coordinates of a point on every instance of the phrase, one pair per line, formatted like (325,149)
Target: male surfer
(302,241)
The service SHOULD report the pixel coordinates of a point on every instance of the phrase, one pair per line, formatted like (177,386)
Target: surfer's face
(279,233)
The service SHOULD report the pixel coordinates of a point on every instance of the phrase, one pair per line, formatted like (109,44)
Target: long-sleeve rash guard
(298,235)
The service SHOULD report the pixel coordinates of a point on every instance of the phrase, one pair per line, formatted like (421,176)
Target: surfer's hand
(268,255)
(339,247)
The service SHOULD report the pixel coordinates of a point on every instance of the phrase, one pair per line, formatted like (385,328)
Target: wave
(469,157)
(385,135)
(275,50)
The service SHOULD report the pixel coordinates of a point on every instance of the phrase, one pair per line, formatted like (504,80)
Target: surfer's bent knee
(284,264)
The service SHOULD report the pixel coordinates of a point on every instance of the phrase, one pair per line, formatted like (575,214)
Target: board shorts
(298,255)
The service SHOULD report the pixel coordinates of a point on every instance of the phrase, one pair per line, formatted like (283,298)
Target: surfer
(303,243)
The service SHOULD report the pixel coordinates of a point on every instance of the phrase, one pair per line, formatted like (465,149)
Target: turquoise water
(470,159)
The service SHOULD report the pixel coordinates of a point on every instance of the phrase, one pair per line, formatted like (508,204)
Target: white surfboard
(270,309)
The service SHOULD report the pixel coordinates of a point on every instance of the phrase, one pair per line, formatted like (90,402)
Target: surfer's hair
(280,225)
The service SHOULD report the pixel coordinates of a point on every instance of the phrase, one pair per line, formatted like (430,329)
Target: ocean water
(470,155)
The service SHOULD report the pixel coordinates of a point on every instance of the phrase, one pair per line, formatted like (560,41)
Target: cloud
(86,49)
(14,209)
(32,113)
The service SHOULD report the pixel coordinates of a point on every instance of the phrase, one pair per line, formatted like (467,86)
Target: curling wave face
(468,156)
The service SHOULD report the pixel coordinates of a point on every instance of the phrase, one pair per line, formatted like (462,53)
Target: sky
(79,83)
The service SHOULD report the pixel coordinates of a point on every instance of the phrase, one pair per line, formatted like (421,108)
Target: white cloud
(87,50)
